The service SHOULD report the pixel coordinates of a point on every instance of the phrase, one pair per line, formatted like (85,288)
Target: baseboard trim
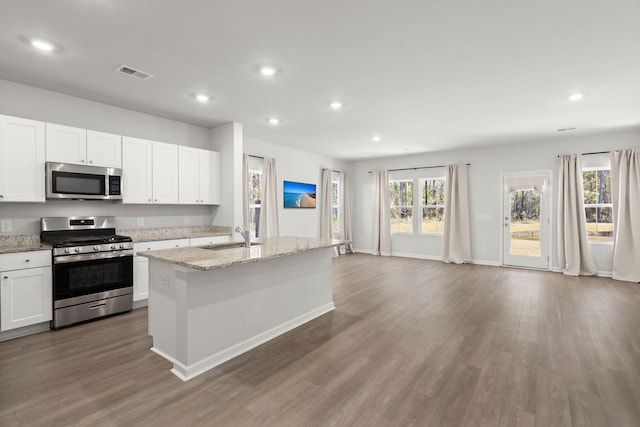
(24,331)
(485,262)
(417,256)
(140,304)
(188,372)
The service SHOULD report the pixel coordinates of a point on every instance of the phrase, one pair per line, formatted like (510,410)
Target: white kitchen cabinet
(104,149)
(25,293)
(66,144)
(137,170)
(141,264)
(140,278)
(22,158)
(198,176)
(149,171)
(165,173)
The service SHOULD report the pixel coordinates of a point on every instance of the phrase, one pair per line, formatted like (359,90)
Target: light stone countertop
(21,243)
(171,233)
(262,249)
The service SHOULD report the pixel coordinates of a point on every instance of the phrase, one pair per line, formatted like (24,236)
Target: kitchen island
(209,304)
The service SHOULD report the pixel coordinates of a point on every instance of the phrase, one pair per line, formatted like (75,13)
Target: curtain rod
(255,157)
(419,167)
(588,154)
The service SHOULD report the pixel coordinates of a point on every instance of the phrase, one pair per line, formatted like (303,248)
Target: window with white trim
(335,204)
(254,181)
(401,212)
(432,205)
(598,205)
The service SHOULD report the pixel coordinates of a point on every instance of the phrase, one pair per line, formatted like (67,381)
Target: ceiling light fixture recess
(42,45)
(202,97)
(566,129)
(274,121)
(267,70)
(576,97)
(336,105)
(376,138)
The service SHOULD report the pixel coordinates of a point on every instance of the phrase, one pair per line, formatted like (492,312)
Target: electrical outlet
(140,221)
(5,225)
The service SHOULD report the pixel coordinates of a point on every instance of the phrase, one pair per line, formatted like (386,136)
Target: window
(335,204)
(432,204)
(254,181)
(597,204)
(401,196)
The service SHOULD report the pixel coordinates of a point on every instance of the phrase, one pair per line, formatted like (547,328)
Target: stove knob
(113,246)
(67,250)
(121,246)
(96,248)
(77,249)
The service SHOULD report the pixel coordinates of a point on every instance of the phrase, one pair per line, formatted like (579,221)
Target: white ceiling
(424,74)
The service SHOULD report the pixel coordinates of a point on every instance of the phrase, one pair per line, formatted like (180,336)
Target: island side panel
(221,313)
(162,308)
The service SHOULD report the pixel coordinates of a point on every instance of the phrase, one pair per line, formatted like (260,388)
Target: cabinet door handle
(81,160)
(1,196)
(5,277)
(90,161)
(27,260)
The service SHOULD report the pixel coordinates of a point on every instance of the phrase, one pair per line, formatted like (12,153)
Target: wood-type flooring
(411,343)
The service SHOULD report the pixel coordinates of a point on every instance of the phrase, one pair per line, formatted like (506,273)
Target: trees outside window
(335,204)
(432,204)
(401,197)
(598,205)
(254,179)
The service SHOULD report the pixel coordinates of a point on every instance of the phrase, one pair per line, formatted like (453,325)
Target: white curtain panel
(382,222)
(245,191)
(456,236)
(326,230)
(625,186)
(346,232)
(574,255)
(269,203)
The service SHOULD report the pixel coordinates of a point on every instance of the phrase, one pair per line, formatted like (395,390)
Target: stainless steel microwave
(67,181)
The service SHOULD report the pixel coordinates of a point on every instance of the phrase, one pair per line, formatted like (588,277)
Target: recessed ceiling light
(566,129)
(267,70)
(202,97)
(42,45)
(376,138)
(336,105)
(576,97)
(274,120)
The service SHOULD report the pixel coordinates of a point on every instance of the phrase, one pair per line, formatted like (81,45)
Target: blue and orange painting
(299,195)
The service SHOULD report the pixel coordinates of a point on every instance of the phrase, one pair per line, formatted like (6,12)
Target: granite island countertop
(21,243)
(171,233)
(199,258)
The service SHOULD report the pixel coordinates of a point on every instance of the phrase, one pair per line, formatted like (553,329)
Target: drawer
(21,260)
(212,240)
(159,244)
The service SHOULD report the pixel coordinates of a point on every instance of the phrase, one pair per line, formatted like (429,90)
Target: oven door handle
(93,256)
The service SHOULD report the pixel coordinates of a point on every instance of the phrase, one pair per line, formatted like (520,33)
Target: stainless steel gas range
(92,268)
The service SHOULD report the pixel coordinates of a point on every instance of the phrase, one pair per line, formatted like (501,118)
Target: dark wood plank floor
(411,343)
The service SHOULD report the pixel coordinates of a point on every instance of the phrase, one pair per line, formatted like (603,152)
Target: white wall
(485,192)
(39,104)
(299,166)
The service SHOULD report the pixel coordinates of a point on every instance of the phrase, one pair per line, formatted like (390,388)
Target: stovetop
(97,239)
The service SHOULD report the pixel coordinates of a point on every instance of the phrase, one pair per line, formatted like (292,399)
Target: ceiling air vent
(125,69)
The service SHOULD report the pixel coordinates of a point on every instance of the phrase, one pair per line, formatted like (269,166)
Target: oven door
(100,274)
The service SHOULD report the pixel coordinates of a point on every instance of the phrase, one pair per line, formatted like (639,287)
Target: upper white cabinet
(150,171)
(104,149)
(22,157)
(198,176)
(165,173)
(66,144)
(137,164)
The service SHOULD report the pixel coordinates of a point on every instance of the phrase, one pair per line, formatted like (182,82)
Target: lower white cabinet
(140,278)
(141,264)
(25,293)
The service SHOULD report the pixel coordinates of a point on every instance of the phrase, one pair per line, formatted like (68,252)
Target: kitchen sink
(228,246)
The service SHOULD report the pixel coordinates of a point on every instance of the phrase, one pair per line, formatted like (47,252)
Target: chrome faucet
(246,235)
